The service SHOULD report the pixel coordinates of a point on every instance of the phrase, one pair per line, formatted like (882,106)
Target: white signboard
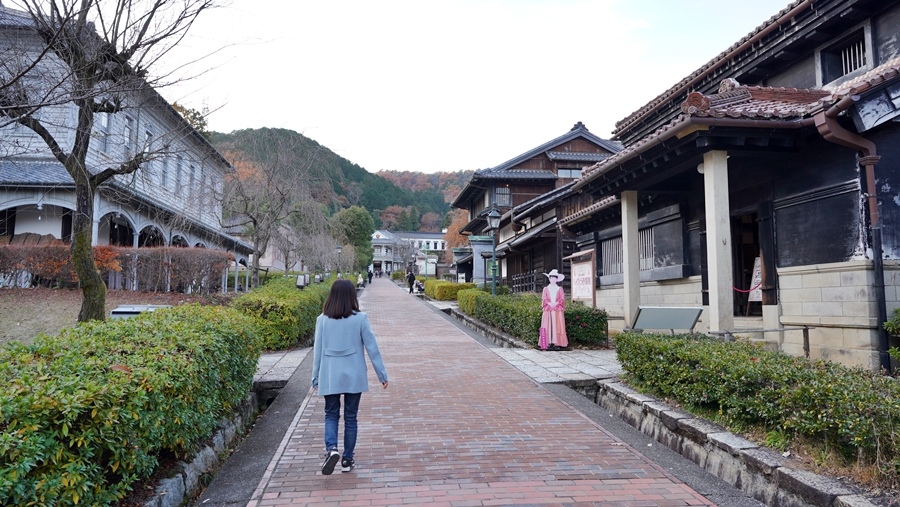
(756,282)
(582,273)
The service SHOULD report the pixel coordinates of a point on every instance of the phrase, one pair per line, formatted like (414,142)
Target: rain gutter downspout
(831,130)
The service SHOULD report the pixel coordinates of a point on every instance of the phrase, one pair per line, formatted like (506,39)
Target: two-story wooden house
(527,242)
(762,187)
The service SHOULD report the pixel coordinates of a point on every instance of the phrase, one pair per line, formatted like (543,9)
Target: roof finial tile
(728,84)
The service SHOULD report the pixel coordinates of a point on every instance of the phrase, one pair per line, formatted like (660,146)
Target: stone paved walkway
(461,426)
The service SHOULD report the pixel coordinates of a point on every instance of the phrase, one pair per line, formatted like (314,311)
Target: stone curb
(497,336)
(172,491)
(758,471)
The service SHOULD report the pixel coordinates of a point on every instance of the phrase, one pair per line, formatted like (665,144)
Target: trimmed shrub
(443,290)
(447,291)
(466,300)
(852,410)
(86,414)
(287,314)
(520,315)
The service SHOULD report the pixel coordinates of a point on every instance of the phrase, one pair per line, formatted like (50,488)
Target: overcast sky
(429,86)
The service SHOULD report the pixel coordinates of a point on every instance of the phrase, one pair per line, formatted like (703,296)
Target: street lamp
(493,219)
(339,248)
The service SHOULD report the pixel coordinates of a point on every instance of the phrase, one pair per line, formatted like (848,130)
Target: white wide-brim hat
(554,273)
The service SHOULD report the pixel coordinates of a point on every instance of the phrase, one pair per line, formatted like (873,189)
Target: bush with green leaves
(520,315)
(443,290)
(85,414)
(851,410)
(287,314)
(447,291)
(893,326)
(466,299)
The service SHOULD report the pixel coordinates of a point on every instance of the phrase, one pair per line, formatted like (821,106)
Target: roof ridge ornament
(728,84)
(695,102)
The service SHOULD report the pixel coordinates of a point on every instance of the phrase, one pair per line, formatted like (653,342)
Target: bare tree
(93,56)
(268,187)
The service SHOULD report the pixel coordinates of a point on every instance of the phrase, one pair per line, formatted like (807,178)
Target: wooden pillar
(718,241)
(631,256)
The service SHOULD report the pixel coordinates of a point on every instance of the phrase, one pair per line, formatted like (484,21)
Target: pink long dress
(554,317)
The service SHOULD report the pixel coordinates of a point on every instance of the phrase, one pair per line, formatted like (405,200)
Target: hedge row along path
(459,426)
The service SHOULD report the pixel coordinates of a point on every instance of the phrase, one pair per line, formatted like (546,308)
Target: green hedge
(443,290)
(520,316)
(852,410)
(466,299)
(287,314)
(85,414)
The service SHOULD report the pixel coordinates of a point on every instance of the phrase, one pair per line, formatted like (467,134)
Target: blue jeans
(332,417)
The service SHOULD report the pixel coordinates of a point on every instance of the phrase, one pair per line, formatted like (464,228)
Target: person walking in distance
(411,280)
(343,334)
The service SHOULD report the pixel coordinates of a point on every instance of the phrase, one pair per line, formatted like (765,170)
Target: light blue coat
(339,365)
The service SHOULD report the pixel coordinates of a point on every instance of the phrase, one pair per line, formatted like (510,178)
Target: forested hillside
(449,184)
(338,183)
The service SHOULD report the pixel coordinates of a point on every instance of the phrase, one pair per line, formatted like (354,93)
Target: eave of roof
(719,60)
(750,106)
(576,156)
(602,204)
(528,207)
(756,107)
(578,130)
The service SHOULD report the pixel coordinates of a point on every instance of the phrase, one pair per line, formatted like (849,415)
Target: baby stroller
(419,286)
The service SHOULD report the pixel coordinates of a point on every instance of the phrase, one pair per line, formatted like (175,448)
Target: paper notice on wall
(756,282)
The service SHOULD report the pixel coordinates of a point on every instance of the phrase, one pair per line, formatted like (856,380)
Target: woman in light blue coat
(339,368)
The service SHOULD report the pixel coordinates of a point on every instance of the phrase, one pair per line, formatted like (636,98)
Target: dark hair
(341,301)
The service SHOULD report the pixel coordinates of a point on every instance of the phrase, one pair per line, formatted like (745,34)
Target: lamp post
(493,219)
(339,248)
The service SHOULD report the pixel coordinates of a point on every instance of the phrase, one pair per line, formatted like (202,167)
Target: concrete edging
(172,491)
(758,471)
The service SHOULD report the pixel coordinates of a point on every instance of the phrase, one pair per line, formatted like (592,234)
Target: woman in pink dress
(553,320)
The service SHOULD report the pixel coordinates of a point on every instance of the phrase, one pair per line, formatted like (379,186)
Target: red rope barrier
(749,290)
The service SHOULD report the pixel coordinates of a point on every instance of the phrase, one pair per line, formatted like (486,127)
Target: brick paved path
(459,426)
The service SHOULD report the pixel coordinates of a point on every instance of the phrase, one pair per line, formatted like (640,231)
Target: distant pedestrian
(371,274)
(410,279)
(339,368)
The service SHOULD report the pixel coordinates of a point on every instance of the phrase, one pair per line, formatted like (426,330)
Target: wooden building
(527,242)
(764,187)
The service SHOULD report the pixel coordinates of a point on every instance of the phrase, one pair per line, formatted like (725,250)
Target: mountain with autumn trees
(397,200)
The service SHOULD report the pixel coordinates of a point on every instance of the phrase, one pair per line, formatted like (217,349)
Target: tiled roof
(604,203)
(538,202)
(885,72)
(755,102)
(33,172)
(515,174)
(578,130)
(504,171)
(576,156)
(14,18)
(627,121)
